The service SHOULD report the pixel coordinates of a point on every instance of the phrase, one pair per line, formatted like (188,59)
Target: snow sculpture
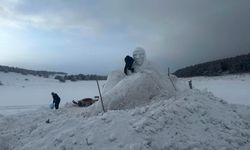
(138,89)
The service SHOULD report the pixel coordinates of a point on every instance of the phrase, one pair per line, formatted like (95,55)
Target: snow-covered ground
(25,92)
(190,120)
(234,89)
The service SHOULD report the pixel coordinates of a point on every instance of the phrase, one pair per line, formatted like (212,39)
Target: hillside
(233,65)
(61,76)
(22,71)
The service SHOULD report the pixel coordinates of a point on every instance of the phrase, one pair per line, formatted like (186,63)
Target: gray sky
(91,36)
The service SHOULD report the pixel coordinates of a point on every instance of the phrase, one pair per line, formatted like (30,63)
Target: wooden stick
(171,79)
(100,95)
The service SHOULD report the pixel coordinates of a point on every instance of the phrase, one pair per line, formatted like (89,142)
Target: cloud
(174,33)
(46,15)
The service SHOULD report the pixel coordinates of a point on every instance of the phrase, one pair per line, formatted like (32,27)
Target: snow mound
(191,120)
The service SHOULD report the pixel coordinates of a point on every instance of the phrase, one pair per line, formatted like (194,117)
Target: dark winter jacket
(56,98)
(128,64)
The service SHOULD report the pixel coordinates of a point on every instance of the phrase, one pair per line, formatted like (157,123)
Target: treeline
(45,74)
(233,65)
(80,77)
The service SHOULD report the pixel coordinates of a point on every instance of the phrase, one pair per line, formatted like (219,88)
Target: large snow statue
(137,89)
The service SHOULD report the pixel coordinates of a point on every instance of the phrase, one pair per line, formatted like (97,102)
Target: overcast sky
(93,36)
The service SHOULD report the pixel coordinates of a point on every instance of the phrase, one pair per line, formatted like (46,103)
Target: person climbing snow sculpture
(128,69)
(137,63)
(56,100)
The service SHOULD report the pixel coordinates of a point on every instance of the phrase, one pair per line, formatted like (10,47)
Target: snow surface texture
(192,120)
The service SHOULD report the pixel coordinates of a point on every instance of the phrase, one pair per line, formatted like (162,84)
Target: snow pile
(191,120)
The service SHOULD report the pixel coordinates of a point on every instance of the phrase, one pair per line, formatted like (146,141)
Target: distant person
(85,102)
(128,69)
(56,100)
(190,84)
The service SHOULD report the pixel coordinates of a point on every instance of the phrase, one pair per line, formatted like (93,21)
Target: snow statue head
(139,56)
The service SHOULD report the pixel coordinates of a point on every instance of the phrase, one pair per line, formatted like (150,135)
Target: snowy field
(26,92)
(234,89)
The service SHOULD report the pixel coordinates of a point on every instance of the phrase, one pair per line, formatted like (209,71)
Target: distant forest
(233,65)
(61,76)
(80,77)
(22,71)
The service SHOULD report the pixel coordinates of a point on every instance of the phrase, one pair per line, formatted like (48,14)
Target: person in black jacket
(128,65)
(56,100)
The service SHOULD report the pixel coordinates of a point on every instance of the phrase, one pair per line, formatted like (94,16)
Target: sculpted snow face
(140,63)
(139,56)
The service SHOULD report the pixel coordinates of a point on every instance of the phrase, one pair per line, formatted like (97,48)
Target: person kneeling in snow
(85,102)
